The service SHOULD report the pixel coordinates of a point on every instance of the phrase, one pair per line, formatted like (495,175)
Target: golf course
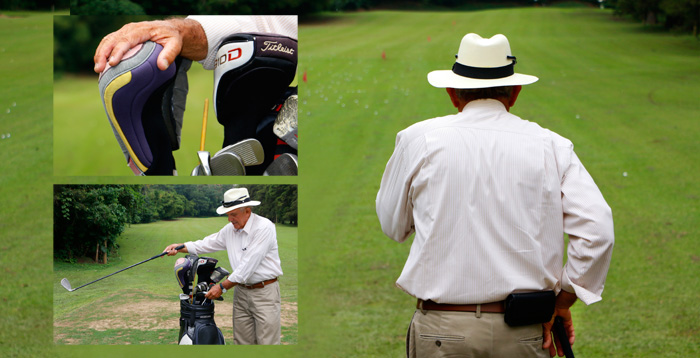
(141,305)
(623,93)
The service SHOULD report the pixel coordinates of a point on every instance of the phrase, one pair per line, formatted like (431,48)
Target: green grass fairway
(83,140)
(25,184)
(626,97)
(141,305)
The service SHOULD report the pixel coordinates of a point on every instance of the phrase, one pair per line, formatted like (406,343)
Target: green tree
(89,218)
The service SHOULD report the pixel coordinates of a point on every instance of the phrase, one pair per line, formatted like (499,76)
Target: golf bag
(196,275)
(145,107)
(252,78)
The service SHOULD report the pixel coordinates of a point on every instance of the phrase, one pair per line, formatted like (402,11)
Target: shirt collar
(485,103)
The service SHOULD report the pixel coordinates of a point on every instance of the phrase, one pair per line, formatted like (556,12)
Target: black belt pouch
(523,309)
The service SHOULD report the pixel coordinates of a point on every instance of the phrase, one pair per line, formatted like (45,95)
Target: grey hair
(468,95)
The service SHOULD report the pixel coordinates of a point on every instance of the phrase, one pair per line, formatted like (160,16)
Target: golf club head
(249,150)
(204,162)
(66,285)
(285,164)
(227,164)
(286,123)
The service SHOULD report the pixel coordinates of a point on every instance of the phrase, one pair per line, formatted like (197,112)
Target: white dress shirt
(218,27)
(489,197)
(252,250)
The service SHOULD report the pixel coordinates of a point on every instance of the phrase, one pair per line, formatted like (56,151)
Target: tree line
(88,219)
(677,15)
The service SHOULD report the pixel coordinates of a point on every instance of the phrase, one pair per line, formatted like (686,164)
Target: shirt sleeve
(393,204)
(262,242)
(217,28)
(212,243)
(588,222)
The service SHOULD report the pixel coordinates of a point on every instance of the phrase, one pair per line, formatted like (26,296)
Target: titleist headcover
(252,75)
(145,107)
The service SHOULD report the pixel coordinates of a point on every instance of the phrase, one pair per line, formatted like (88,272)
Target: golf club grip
(165,252)
(559,330)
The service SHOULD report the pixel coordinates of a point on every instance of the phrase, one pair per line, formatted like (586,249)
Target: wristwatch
(223,290)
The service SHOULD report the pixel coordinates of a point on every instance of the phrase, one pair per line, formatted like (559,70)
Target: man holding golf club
(489,197)
(251,243)
(143,84)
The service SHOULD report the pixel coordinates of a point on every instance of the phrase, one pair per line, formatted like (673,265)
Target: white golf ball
(624,174)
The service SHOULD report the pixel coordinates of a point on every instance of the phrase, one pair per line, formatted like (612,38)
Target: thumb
(167,56)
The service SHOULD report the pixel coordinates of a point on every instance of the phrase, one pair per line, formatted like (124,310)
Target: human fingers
(171,48)
(113,46)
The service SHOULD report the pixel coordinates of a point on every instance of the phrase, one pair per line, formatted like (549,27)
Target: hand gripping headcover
(145,107)
(252,75)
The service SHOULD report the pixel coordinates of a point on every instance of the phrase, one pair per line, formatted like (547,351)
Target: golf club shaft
(559,330)
(204,123)
(112,274)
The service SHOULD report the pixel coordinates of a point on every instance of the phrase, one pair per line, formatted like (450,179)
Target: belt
(260,284)
(492,307)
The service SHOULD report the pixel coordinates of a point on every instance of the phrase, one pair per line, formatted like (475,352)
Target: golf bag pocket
(197,325)
(145,107)
(523,309)
(251,76)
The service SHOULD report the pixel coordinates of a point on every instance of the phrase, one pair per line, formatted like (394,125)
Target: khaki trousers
(256,315)
(468,334)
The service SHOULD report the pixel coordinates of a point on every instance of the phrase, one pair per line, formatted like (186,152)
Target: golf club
(204,162)
(285,164)
(249,150)
(286,123)
(67,286)
(227,164)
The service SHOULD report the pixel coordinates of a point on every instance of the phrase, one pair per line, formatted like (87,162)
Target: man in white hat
(489,197)
(251,243)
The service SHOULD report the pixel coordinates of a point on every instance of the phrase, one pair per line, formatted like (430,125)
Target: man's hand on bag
(561,308)
(214,292)
(183,37)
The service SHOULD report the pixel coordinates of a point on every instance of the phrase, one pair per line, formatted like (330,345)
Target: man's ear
(514,95)
(453,97)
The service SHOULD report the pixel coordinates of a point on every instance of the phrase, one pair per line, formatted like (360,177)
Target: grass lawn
(623,95)
(141,305)
(25,181)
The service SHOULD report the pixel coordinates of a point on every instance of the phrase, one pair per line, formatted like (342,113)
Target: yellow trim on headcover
(111,89)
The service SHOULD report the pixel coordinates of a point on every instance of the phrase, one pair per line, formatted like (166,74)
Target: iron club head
(249,150)
(66,285)
(227,164)
(285,164)
(204,162)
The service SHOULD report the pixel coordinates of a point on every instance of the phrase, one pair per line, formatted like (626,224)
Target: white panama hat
(235,198)
(481,63)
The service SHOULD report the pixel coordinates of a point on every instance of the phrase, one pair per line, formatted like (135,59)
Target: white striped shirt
(252,250)
(218,27)
(489,197)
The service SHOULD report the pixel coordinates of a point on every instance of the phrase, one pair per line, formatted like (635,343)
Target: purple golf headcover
(137,97)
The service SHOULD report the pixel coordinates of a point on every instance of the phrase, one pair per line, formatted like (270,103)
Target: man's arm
(183,37)
(588,222)
(393,204)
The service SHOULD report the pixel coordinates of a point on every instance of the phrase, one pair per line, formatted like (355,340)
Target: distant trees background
(88,219)
(34,4)
(677,15)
